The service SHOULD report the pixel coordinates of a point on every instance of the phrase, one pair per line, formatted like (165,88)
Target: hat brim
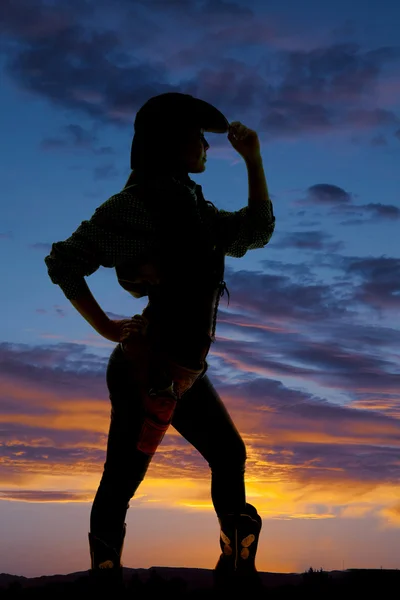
(210,118)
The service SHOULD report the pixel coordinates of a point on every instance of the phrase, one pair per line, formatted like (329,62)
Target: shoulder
(128,205)
(126,199)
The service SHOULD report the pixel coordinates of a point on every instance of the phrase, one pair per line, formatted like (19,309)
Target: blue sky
(307,353)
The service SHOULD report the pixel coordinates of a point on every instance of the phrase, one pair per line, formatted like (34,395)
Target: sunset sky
(307,357)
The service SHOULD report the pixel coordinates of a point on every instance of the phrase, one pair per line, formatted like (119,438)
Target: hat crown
(172,105)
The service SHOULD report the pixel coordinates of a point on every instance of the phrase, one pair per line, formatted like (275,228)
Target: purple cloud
(282,298)
(98,73)
(380,281)
(309,240)
(32,20)
(59,311)
(326,193)
(341,203)
(59,365)
(283,422)
(76,138)
(297,335)
(38,496)
(384,211)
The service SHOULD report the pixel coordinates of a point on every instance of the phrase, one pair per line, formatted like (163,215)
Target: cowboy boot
(106,568)
(239,537)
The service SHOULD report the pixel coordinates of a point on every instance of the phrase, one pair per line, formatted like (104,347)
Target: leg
(203,420)
(125,465)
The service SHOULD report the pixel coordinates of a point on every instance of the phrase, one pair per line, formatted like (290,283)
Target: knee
(231,456)
(119,484)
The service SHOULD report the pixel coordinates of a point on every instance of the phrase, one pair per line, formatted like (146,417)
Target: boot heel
(106,573)
(239,536)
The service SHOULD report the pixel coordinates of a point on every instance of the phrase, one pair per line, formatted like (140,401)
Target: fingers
(134,326)
(237,129)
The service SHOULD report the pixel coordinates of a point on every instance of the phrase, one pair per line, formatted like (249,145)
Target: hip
(151,368)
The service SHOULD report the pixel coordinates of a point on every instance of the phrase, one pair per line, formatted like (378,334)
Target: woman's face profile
(193,150)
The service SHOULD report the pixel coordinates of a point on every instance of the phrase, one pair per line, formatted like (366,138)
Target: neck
(152,172)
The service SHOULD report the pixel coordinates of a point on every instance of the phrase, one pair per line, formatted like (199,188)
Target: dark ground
(192,583)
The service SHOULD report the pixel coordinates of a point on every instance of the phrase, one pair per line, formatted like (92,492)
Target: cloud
(312,391)
(48,496)
(84,76)
(281,298)
(343,371)
(371,118)
(309,240)
(341,203)
(108,171)
(312,388)
(312,334)
(6,235)
(48,364)
(97,72)
(59,311)
(326,89)
(32,20)
(383,211)
(296,271)
(326,193)
(380,281)
(209,9)
(76,138)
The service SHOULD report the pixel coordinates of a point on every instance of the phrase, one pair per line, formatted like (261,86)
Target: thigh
(127,417)
(203,420)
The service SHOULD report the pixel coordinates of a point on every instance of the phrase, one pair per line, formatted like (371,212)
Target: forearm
(88,307)
(258,195)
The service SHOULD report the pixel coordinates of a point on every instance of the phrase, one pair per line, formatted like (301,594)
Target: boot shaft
(239,536)
(104,555)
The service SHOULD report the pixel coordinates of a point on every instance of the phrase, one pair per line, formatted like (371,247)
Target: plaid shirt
(122,230)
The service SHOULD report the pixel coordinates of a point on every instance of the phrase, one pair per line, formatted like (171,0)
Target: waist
(148,364)
(191,310)
(161,348)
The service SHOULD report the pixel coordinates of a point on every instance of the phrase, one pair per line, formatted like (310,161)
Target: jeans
(199,416)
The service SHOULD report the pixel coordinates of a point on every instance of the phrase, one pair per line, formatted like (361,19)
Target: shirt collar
(166,180)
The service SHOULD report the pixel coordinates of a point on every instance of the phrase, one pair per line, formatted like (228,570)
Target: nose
(205,143)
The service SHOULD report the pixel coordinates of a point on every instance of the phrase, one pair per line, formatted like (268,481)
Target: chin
(199,168)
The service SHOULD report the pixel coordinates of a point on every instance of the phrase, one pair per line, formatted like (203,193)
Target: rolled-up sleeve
(245,229)
(119,230)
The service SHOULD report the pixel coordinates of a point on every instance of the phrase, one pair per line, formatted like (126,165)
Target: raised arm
(252,226)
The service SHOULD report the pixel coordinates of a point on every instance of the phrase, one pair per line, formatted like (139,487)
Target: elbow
(268,234)
(49,259)
(264,237)
(263,232)
(268,229)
